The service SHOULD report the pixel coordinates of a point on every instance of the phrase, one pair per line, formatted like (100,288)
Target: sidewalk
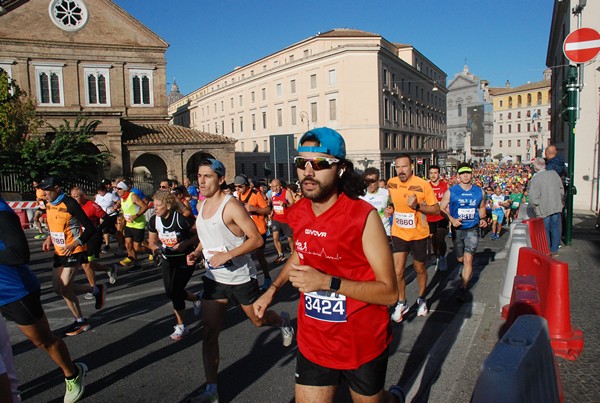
(474,331)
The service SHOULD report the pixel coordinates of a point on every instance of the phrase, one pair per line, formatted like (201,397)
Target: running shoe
(423,310)
(463,295)
(280,259)
(206,397)
(151,257)
(88,296)
(112,273)
(40,236)
(449,234)
(125,262)
(398,393)
(266,284)
(399,311)
(105,248)
(180,332)
(442,265)
(77,328)
(198,304)
(76,386)
(287,331)
(100,296)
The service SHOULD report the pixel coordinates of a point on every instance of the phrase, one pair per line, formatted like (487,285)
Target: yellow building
(522,117)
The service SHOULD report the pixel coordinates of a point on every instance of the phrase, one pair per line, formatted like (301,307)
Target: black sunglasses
(316,163)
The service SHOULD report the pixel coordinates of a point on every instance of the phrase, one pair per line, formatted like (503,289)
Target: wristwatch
(418,207)
(335,284)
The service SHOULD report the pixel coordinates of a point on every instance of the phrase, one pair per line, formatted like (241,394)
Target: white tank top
(216,237)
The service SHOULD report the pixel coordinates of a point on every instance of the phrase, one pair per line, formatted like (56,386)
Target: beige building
(384,98)
(91,58)
(586,149)
(522,117)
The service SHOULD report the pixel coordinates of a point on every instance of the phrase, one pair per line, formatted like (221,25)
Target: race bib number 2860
(325,305)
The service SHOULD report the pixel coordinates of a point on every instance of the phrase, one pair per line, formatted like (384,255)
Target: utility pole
(569,114)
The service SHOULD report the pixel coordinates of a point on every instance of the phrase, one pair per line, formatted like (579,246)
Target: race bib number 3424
(325,305)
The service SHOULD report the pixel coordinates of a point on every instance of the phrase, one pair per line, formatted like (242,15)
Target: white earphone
(341,173)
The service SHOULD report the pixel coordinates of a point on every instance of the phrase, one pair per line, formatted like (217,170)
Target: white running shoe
(88,296)
(287,331)
(206,397)
(399,311)
(180,332)
(198,304)
(423,310)
(112,273)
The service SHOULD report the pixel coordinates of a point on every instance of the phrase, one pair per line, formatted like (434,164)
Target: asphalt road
(132,359)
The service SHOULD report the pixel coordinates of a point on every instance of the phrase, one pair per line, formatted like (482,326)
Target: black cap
(48,182)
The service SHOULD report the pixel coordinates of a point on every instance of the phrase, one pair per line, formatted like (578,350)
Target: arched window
(510,102)
(519,101)
(459,110)
(528,99)
(539,98)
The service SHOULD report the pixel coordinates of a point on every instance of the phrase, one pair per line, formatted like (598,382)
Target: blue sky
(500,40)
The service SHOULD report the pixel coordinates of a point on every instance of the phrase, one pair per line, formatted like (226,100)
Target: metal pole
(573,107)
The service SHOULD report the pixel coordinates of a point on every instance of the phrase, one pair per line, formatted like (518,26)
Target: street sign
(420,161)
(582,45)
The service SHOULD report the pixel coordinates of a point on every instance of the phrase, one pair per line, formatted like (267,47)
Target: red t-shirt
(93,211)
(335,331)
(439,191)
(280,206)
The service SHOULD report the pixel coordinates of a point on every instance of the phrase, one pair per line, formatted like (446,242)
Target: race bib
(58,238)
(516,204)
(278,209)
(325,305)
(209,253)
(466,213)
(405,220)
(168,239)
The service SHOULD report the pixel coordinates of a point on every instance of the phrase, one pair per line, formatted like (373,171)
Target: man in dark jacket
(555,162)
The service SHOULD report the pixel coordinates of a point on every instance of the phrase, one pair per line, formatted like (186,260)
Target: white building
(384,98)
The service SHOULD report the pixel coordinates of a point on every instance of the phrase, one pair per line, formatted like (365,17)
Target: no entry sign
(582,45)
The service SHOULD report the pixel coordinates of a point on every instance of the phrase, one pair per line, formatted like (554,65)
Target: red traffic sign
(582,45)
(420,161)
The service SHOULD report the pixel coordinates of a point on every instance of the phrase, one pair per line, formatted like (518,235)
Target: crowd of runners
(223,229)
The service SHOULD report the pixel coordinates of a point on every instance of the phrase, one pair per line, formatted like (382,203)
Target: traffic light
(569,97)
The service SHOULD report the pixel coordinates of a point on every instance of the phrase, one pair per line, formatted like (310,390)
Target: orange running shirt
(409,224)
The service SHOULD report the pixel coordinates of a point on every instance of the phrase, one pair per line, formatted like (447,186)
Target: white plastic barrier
(519,238)
(521,367)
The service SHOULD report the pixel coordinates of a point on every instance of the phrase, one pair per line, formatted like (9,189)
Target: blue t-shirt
(16,280)
(464,204)
(193,191)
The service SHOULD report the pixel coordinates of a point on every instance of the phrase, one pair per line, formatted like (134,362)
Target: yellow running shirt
(409,224)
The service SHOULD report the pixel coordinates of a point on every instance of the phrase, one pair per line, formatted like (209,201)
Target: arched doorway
(191,169)
(147,172)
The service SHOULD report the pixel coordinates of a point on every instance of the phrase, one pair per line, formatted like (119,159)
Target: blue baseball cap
(330,142)
(215,165)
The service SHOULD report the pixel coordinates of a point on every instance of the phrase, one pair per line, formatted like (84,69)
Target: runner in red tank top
(342,266)
(438,223)
(281,200)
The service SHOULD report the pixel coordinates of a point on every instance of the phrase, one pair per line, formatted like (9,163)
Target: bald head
(550,152)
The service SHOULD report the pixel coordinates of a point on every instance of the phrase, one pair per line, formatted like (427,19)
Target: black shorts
(242,294)
(135,233)
(70,261)
(366,380)
(93,246)
(284,228)
(25,311)
(418,248)
(435,225)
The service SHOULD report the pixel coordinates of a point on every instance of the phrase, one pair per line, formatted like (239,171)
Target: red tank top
(439,191)
(280,206)
(335,331)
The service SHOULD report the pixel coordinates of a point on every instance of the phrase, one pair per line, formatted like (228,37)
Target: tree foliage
(67,152)
(18,120)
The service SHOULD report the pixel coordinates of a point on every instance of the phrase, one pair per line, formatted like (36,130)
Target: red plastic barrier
(537,234)
(551,284)
(23,218)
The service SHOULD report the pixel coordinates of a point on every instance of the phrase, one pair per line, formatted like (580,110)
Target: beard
(321,192)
